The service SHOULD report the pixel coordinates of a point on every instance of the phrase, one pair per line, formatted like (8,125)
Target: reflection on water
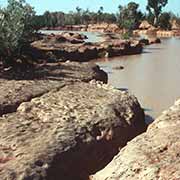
(153,77)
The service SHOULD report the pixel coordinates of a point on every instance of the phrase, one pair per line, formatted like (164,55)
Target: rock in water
(68,133)
(154,41)
(154,155)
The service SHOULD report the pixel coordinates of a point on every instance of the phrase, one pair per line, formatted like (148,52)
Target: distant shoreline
(113,28)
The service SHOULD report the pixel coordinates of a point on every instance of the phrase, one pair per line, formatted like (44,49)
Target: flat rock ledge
(41,80)
(154,155)
(55,50)
(67,133)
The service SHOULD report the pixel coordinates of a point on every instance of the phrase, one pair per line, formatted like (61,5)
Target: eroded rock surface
(68,133)
(154,155)
(41,80)
(56,48)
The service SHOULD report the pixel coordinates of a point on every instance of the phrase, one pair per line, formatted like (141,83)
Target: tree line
(128,16)
(77,17)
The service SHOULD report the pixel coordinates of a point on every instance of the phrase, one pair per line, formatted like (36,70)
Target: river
(153,77)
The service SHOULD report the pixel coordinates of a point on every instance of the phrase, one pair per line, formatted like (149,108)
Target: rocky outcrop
(68,28)
(145,25)
(144,41)
(101,27)
(150,41)
(154,41)
(157,32)
(42,79)
(59,50)
(74,35)
(68,133)
(65,37)
(152,155)
(104,27)
(122,47)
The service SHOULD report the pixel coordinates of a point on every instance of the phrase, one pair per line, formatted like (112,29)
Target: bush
(127,35)
(164,21)
(15,29)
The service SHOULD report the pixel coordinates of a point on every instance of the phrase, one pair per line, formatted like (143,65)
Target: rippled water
(153,77)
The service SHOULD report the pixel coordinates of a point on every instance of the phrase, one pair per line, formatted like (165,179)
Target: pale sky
(109,5)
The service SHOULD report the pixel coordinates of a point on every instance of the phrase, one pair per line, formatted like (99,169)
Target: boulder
(118,68)
(60,39)
(88,52)
(43,79)
(79,36)
(152,155)
(144,41)
(76,41)
(74,35)
(73,38)
(104,27)
(68,133)
(154,41)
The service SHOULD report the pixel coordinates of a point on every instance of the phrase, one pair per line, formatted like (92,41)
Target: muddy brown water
(153,77)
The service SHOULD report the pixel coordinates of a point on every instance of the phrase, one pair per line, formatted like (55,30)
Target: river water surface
(153,77)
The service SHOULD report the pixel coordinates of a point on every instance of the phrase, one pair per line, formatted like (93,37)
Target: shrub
(164,21)
(127,35)
(15,30)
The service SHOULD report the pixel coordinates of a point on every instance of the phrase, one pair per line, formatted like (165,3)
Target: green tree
(15,29)
(38,22)
(100,14)
(47,19)
(109,18)
(164,21)
(155,7)
(86,17)
(78,15)
(129,16)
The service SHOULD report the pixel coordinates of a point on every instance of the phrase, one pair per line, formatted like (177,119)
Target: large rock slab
(154,155)
(52,49)
(18,87)
(68,133)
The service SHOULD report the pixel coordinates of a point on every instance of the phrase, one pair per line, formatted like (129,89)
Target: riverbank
(18,86)
(58,116)
(113,28)
(54,118)
(157,33)
(71,46)
(101,28)
(152,155)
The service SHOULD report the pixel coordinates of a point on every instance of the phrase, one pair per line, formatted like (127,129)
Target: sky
(109,5)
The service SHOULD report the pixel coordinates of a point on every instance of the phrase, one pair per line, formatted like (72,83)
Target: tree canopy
(77,17)
(155,8)
(129,16)
(15,29)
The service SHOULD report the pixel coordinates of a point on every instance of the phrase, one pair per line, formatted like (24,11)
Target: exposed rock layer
(55,50)
(152,155)
(41,80)
(68,133)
